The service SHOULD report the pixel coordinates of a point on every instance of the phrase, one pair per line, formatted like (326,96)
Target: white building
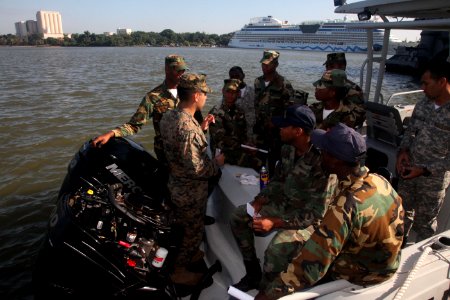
(123,31)
(49,24)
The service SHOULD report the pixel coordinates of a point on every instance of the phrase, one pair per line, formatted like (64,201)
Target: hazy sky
(209,16)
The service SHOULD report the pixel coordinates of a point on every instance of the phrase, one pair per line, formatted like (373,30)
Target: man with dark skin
(273,94)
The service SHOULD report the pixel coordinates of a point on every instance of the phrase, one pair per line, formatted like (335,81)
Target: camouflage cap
(231,84)
(177,62)
(269,56)
(338,57)
(332,78)
(195,82)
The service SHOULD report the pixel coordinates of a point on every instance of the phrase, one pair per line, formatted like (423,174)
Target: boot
(182,276)
(252,279)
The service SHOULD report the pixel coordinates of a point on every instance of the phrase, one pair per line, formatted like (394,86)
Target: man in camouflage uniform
(361,233)
(273,94)
(245,101)
(332,108)
(154,104)
(423,161)
(190,168)
(229,131)
(293,202)
(354,91)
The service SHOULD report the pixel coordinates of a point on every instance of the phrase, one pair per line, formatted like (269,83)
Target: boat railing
(402,94)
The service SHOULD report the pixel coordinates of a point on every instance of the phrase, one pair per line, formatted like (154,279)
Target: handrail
(402,93)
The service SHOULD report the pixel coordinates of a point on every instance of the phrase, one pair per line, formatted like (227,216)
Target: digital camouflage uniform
(359,238)
(153,105)
(190,167)
(427,139)
(299,194)
(229,132)
(348,113)
(246,102)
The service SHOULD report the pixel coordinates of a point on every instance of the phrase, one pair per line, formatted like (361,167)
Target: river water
(54,99)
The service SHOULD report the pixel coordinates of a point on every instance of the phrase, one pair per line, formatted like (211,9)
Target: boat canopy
(427,15)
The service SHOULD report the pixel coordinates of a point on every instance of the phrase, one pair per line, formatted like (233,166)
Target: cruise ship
(334,36)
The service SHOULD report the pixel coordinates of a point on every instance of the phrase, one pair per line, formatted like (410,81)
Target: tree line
(166,37)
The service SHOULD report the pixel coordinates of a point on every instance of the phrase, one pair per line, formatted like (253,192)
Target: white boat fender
(436,244)
(238,294)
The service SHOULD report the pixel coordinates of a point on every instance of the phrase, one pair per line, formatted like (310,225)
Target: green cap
(332,78)
(269,56)
(338,57)
(194,81)
(231,84)
(176,61)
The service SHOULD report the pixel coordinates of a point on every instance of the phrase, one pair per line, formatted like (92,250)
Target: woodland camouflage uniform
(153,105)
(349,243)
(348,113)
(229,131)
(299,194)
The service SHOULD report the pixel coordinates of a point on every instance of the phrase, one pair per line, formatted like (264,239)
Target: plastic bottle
(160,257)
(263,178)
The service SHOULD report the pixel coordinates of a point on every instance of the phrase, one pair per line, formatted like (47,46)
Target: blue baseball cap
(342,142)
(298,115)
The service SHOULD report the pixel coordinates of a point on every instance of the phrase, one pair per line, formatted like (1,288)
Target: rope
(412,273)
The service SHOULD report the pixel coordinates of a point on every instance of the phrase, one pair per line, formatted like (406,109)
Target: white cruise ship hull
(332,36)
(301,47)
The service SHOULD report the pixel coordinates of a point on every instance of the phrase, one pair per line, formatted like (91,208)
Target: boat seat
(384,123)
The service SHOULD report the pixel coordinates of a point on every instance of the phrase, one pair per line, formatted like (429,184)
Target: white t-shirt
(326,113)
(174,92)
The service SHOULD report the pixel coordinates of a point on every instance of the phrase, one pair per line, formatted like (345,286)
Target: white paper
(248,179)
(232,291)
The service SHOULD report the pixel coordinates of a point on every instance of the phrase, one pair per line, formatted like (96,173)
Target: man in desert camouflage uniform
(229,131)
(273,94)
(190,168)
(154,104)
(354,91)
(293,202)
(332,108)
(423,161)
(245,101)
(361,233)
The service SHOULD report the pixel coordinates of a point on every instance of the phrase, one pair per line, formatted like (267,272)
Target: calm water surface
(54,99)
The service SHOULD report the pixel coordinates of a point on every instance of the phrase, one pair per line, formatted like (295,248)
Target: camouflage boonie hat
(195,82)
(231,84)
(177,62)
(338,57)
(332,78)
(269,56)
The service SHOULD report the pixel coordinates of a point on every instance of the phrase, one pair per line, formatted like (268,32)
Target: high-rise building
(49,24)
(21,29)
(31,27)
